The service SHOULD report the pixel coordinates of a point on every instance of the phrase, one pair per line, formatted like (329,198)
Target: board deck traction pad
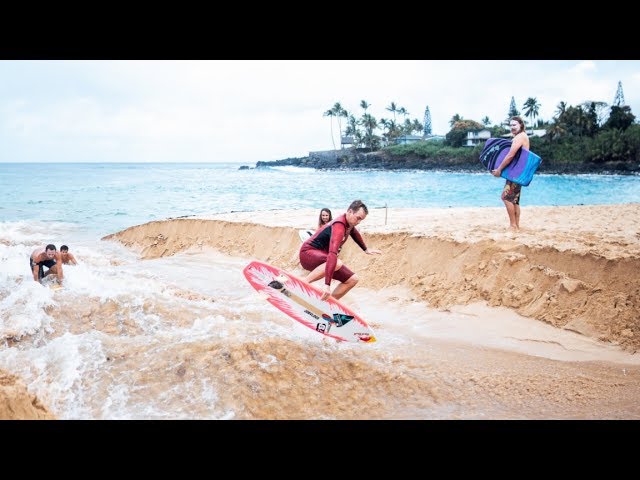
(339,319)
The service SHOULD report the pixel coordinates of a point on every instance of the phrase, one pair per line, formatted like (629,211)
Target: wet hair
(357,205)
(64,248)
(51,246)
(320,223)
(520,121)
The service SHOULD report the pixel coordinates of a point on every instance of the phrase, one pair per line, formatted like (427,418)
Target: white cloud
(247,111)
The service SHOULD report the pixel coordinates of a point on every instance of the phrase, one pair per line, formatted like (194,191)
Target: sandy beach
(547,320)
(573,267)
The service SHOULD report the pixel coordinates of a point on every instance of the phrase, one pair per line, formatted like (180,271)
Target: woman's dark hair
(320,222)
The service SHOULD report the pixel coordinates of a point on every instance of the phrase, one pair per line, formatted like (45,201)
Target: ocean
(104,198)
(185,337)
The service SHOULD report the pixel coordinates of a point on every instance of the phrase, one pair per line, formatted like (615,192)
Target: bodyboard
(303,303)
(522,167)
(52,282)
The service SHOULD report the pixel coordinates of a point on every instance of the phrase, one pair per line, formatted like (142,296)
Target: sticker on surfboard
(303,303)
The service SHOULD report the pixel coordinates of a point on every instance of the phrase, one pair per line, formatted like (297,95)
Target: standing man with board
(511,191)
(319,254)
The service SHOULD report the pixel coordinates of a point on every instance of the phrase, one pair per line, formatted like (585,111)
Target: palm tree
(555,132)
(560,109)
(601,110)
(329,113)
(486,121)
(407,127)
(339,112)
(393,108)
(364,105)
(370,124)
(403,111)
(352,130)
(417,126)
(531,108)
(454,119)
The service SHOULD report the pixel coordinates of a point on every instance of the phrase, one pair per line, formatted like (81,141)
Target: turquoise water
(104,198)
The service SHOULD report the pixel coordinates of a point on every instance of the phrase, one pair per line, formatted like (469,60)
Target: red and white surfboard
(303,303)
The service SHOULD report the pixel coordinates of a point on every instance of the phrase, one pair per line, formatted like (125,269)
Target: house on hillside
(346,141)
(408,139)
(475,137)
(434,138)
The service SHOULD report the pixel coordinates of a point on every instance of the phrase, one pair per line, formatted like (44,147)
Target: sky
(247,111)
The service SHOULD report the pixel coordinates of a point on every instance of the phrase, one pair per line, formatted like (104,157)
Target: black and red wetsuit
(324,246)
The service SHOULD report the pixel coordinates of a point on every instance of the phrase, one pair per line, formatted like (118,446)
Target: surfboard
(52,282)
(521,168)
(305,234)
(303,303)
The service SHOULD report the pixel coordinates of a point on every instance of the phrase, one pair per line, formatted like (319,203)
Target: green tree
(403,111)
(513,110)
(458,133)
(531,108)
(393,130)
(353,131)
(454,119)
(486,121)
(393,108)
(370,124)
(601,110)
(331,114)
(620,117)
(417,126)
(339,113)
(560,109)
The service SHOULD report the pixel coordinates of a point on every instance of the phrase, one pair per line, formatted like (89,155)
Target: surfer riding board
(303,303)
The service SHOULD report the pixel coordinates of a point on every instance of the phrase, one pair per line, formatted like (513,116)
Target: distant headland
(465,159)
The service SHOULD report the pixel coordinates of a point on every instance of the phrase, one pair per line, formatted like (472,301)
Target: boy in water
(67,256)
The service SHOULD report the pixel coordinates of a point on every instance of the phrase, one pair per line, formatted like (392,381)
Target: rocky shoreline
(347,159)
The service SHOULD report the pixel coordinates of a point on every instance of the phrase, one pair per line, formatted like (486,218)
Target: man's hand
(496,172)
